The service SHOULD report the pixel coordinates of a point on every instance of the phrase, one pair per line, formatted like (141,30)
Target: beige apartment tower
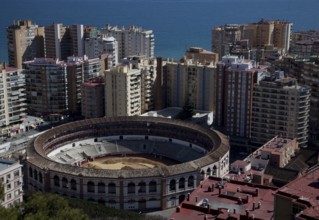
(12,101)
(122,91)
(25,42)
(280,107)
(191,81)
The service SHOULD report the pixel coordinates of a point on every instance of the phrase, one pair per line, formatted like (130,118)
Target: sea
(177,24)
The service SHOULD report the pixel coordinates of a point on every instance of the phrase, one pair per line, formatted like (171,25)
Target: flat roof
(223,199)
(304,190)
(4,164)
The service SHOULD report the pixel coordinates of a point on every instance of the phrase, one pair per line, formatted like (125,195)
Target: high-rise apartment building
(225,36)
(25,42)
(123,91)
(95,46)
(132,41)
(64,41)
(46,87)
(234,91)
(147,66)
(11,181)
(270,38)
(93,98)
(192,81)
(307,73)
(280,107)
(12,100)
(79,70)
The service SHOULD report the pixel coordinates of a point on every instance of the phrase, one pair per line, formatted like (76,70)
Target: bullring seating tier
(86,150)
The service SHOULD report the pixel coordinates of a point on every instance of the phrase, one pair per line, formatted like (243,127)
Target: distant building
(63,41)
(11,180)
(46,87)
(305,44)
(13,101)
(191,81)
(280,107)
(299,198)
(132,41)
(79,70)
(93,98)
(235,82)
(25,41)
(103,44)
(266,39)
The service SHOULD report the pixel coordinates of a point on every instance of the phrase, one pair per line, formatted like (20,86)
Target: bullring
(55,160)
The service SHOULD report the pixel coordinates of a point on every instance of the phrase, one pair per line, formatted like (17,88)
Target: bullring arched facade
(140,189)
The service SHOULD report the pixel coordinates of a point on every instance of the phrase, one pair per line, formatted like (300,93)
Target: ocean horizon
(177,24)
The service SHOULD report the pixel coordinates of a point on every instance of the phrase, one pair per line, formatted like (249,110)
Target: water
(177,24)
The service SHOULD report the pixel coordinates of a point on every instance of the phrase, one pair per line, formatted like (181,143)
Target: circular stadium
(133,163)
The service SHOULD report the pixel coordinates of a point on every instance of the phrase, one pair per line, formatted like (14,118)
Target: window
(9,186)
(112,188)
(90,186)
(190,182)
(101,187)
(56,181)
(172,185)
(16,173)
(181,183)
(131,188)
(142,187)
(73,185)
(64,183)
(152,186)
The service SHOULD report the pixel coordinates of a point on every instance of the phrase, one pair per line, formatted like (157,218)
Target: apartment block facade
(25,41)
(306,71)
(147,66)
(46,87)
(12,100)
(95,46)
(93,98)
(191,81)
(79,70)
(62,41)
(132,41)
(234,91)
(280,107)
(123,91)
(11,178)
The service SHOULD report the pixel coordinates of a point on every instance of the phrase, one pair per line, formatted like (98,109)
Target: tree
(42,206)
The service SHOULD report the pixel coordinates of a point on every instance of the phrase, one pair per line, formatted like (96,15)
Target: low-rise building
(299,198)
(217,198)
(11,180)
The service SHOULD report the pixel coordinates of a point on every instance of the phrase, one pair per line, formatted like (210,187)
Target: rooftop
(4,164)
(304,190)
(220,199)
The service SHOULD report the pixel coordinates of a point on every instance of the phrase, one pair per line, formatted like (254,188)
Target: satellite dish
(210,118)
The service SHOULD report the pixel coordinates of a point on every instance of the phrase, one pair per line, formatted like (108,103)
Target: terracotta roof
(225,199)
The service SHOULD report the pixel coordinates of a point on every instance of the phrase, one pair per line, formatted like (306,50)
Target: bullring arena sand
(128,162)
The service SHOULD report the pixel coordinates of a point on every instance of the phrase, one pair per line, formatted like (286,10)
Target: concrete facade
(11,179)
